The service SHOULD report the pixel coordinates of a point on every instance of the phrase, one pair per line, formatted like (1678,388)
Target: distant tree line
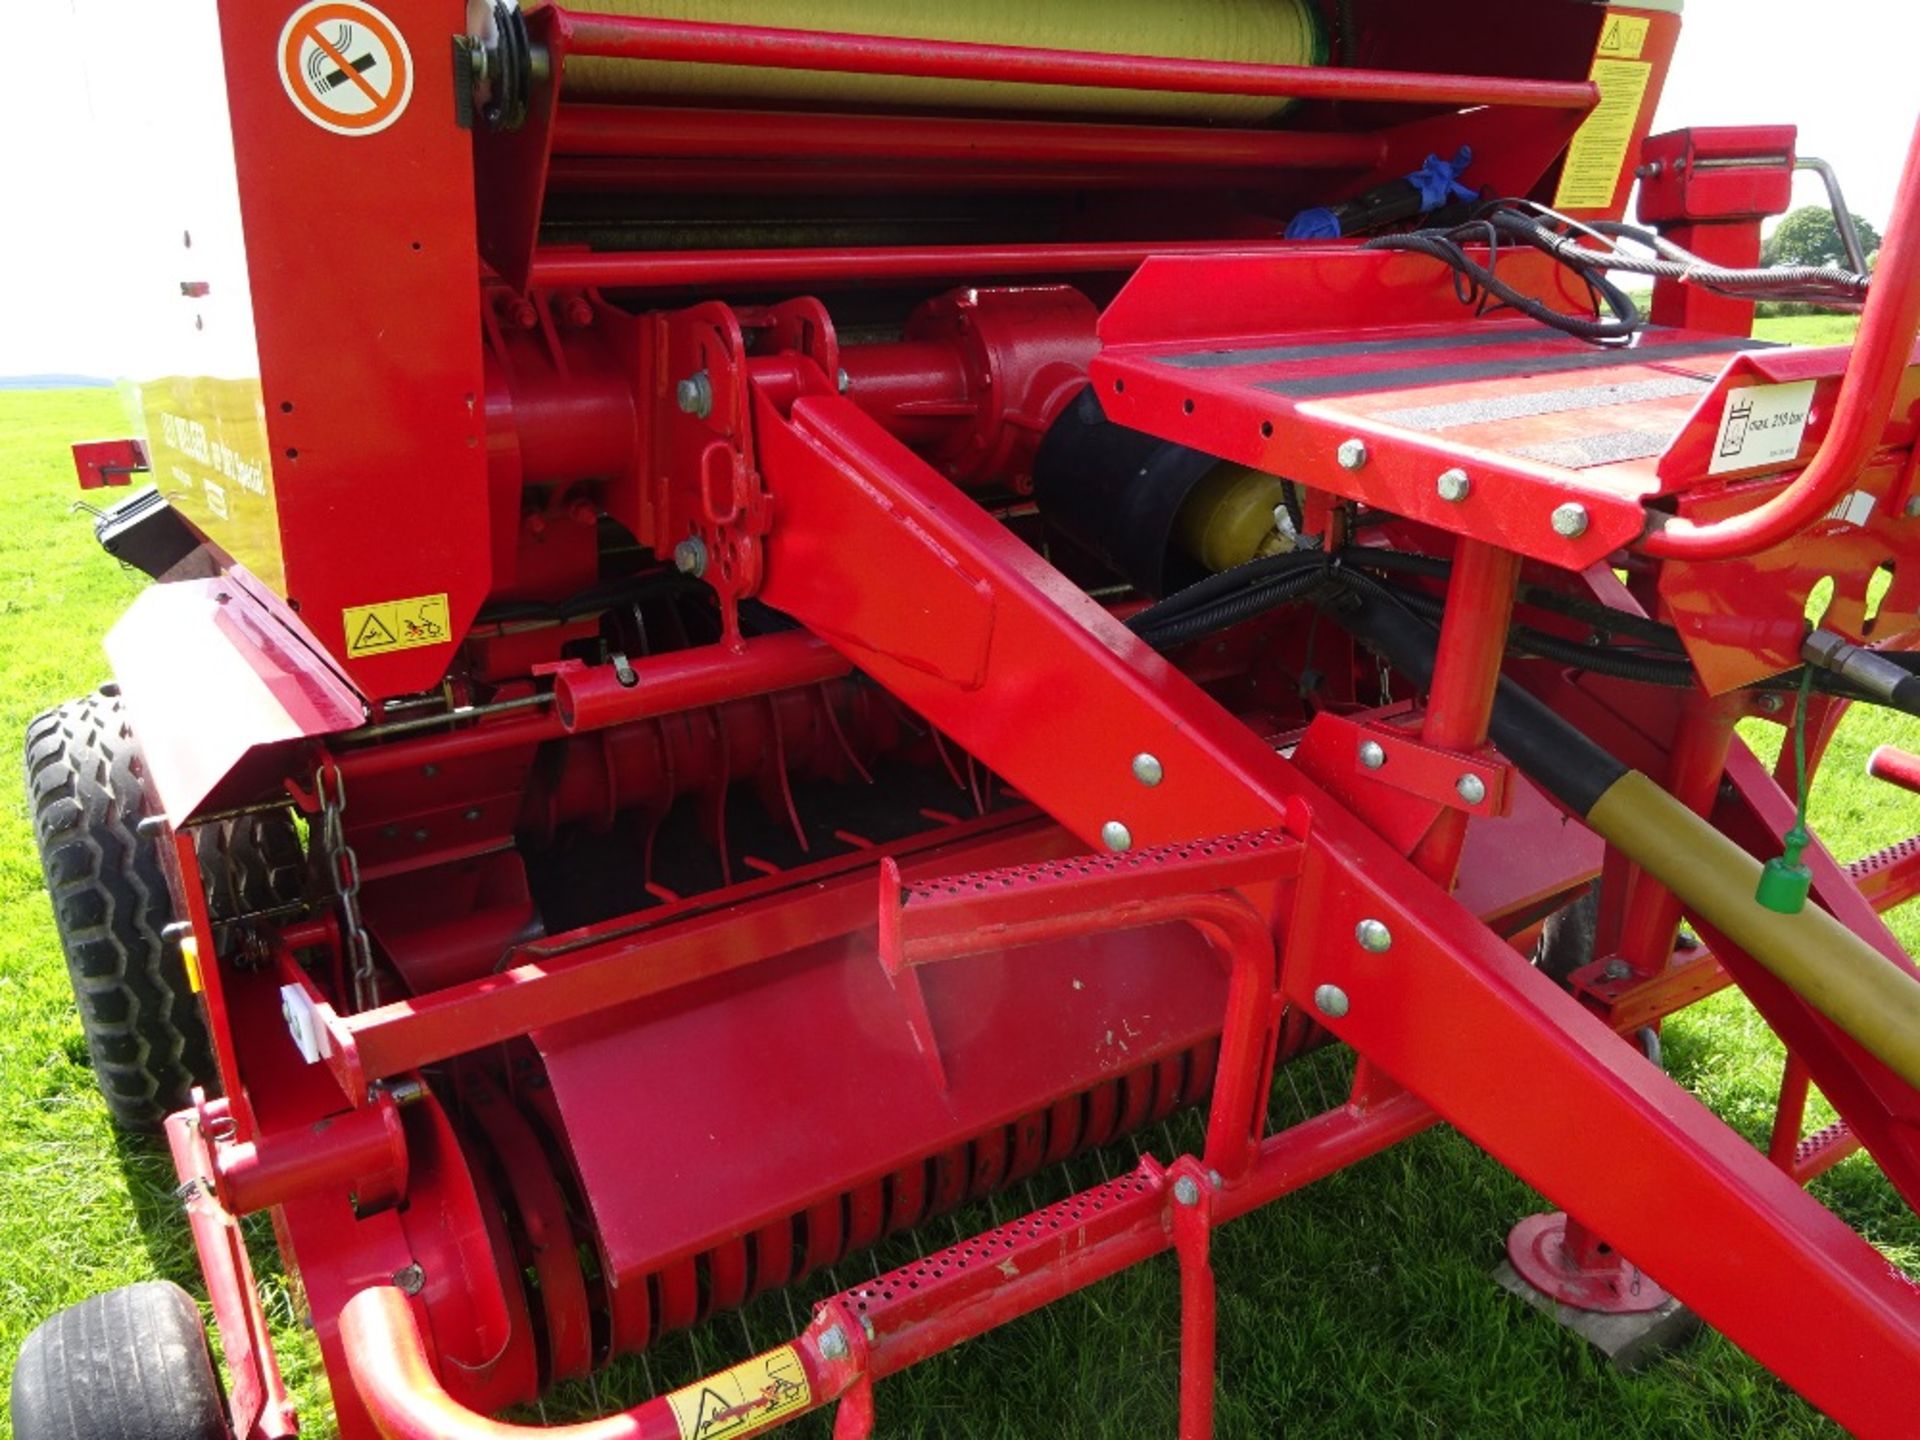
(1808,236)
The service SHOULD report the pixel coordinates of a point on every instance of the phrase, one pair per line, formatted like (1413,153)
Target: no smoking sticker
(346,67)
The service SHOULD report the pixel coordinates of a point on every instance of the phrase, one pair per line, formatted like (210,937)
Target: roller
(1265,32)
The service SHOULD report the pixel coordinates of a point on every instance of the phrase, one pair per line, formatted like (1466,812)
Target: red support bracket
(1361,749)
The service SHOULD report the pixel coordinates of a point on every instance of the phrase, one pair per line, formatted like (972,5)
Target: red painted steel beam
(875,265)
(622,37)
(677,132)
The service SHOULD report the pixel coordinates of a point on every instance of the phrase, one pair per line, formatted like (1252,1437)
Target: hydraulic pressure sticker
(1763,425)
(396,625)
(744,1400)
(346,66)
(1600,146)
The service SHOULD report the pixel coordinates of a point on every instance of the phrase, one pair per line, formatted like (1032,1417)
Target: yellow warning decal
(1599,150)
(190,959)
(744,1400)
(396,625)
(1625,37)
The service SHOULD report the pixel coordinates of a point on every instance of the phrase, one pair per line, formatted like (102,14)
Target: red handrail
(626,37)
(1880,359)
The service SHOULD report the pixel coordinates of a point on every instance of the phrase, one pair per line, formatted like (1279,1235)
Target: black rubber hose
(1549,750)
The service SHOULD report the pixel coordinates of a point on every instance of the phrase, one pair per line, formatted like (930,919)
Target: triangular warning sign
(1612,42)
(373,636)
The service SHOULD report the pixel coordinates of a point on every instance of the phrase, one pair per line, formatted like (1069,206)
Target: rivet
(1330,1000)
(1147,769)
(1185,1191)
(1454,486)
(1352,454)
(1570,520)
(411,1279)
(1373,936)
(1116,837)
(1471,788)
(843,382)
(1913,508)
(1371,755)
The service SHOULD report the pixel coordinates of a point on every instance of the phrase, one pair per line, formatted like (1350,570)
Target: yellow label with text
(1599,150)
(744,1400)
(1624,37)
(396,625)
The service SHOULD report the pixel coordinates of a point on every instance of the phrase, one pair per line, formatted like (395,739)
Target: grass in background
(1362,1307)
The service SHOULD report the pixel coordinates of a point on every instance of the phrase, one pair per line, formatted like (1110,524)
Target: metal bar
(668,131)
(622,37)
(549,989)
(1896,767)
(720,269)
(1466,672)
(1860,412)
(1842,216)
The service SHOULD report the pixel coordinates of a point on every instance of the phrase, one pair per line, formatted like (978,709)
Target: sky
(81,192)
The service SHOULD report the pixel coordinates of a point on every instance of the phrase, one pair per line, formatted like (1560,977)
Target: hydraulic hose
(1872,1000)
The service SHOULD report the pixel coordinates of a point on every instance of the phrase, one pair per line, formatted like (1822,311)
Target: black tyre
(131,1364)
(1568,938)
(145,1029)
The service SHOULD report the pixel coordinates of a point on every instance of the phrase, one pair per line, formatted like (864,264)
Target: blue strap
(1314,225)
(1438,181)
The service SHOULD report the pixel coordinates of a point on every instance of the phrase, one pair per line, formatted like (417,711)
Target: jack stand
(1556,1264)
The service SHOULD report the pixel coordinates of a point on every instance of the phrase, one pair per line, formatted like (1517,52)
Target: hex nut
(1570,520)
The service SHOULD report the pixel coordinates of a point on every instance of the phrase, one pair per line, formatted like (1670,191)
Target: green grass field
(1360,1308)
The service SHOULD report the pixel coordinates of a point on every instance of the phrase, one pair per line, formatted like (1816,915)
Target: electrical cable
(1617,247)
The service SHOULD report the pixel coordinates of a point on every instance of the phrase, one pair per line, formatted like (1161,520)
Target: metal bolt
(833,1344)
(1213,1179)
(1617,970)
(1352,454)
(1373,936)
(1913,508)
(843,380)
(1471,788)
(472,815)
(1185,1191)
(1570,520)
(1772,704)
(1371,755)
(694,395)
(1147,769)
(690,556)
(1116,837)
(412,1279)
(1330,1000)
(1454,485)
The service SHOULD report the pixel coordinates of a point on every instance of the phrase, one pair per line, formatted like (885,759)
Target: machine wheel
(1568,938)
(132,1362)
(145,1028)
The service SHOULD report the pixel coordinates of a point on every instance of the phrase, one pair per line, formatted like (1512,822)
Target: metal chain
(343,870)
